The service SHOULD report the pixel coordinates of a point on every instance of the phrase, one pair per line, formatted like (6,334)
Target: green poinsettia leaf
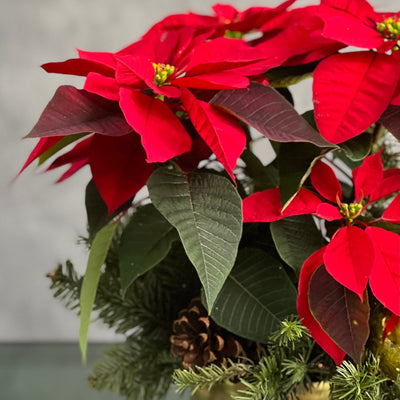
(295,161)
(146,240)
(340,313)
(96,209)
(65,141)
(286,76)
(256,296)
(296,238)
(357,148)
(264,109)
(97,256)
(206,210)
(262,177)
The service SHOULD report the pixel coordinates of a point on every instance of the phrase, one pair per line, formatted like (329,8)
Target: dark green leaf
(96,209)
(263,177)
(357,148)
(146,241)
(264,109)
(296,238)
(295,162)
(285,76)
(256,296)
(97,256)
(340,313)
(206,209)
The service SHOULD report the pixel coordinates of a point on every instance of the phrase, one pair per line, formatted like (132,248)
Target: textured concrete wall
(40,221)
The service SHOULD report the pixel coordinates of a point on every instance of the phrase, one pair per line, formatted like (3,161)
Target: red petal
(225,54)
(328,212)
(262,206)
(368,176)
(392,213)
(77,66)
(351,31)
(389,184)
(351,91)
(102,86)
(385,274)
(118,167)
(132,70)
(225,12)
(266,206)
(44,144)
(74,167)
(163,135)
(219,130)
(326,183)
(349,258)
(304,202)
(99,57)
(390,326)
(303,308)
(78,153)
(215,81)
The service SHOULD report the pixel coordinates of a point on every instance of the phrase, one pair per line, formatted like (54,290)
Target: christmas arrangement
(221,266)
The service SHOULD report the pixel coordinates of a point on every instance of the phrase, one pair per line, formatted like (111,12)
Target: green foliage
(256,296)
(206,209)
(145,241)
(96,209)
(295,161)
(207,377)
(358,382)
(138,369)
(288,235)
(287,369)
(141,368)
(66,285)
(97,256)
(63,142)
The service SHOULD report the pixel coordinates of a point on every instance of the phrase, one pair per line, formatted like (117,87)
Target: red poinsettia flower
(352,90)
(228,18)
(301,41)
(165,74)
(357,253)
(356,23)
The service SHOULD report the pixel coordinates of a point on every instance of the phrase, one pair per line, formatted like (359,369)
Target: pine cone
(200,341)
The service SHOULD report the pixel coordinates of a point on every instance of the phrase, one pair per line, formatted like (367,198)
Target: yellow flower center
(390,29)
(162,72)
(350,211)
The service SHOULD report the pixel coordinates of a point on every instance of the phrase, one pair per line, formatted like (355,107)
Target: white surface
(39,221)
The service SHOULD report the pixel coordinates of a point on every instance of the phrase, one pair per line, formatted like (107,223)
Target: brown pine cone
(200,341)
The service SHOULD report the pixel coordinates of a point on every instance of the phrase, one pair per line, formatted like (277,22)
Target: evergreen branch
(66,285)
(137,369)
(358,382)
(207,377)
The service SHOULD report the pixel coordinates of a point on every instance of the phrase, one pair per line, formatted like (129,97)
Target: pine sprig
(207,377)
(66,285)
(358,382)
(137,369)
(288,368)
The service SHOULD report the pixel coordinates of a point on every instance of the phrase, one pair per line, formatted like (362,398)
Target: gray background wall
(40,221)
